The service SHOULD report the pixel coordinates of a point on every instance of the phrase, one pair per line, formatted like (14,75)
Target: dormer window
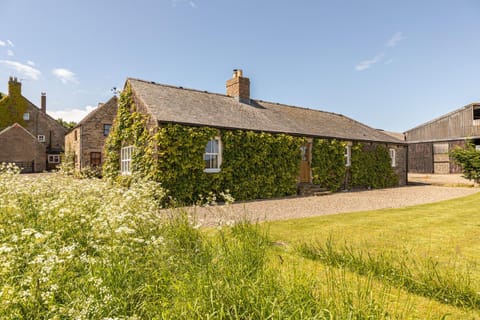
(41,138)
(26,116)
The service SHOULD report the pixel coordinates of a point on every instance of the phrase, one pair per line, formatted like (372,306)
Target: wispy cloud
(2,43)
(191,3)
(367,64)
(22,69)
(10,43)
(10,53)
(71,114)
(395,39)
(65,75)
(31,63)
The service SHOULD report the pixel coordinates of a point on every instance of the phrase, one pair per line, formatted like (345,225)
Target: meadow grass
(86,249)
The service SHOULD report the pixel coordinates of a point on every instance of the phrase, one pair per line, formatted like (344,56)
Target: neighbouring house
(429,143)
(18,112)
(198,143)
(86,140)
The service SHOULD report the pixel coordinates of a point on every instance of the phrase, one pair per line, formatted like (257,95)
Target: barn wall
(458,124)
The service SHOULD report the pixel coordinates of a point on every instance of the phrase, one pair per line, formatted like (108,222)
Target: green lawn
(445,234)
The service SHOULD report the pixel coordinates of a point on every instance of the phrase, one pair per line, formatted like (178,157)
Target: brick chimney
(44,102)
(14,87)
(239,87)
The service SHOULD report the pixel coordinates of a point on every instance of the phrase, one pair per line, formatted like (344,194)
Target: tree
(67,124)
(469,159)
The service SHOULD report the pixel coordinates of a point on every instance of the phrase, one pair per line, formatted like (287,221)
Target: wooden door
(305,170)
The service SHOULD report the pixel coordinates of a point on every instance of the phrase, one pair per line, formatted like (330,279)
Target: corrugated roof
(193,107)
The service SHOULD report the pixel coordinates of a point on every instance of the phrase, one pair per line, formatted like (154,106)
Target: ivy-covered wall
(372,167)
(12,109)
(254,165)
(328,163)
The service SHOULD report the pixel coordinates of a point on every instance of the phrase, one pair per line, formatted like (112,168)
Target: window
(348,156)
(393,156)
(476,113)
(75,137)
(213,155)
(26,116)
(41,138)
(126,160)
(106,129)
(95,159)
(53,158)
(303,152)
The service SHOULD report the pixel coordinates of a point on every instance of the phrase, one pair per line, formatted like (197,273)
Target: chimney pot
(44,102)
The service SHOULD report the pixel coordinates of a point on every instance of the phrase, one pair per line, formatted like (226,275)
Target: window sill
(211,170)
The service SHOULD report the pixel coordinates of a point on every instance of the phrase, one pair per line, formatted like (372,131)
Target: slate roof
(110,103)
(170,104)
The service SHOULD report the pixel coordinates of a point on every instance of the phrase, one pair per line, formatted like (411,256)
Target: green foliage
(328,163)
(260,165)
(179,165)
(12,109)
(371,167)
(67,124)
(469,159)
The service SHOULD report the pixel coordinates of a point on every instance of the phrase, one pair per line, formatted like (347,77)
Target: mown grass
(429,250)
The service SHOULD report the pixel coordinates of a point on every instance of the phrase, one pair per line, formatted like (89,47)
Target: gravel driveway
(300,207)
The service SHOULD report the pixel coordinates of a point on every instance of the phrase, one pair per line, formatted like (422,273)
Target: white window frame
(393,156)
(218,155)
(348,155)
(26,116)
(53,158)
(41,138)
(126,160)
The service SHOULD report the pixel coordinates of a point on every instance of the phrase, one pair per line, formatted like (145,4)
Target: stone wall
(90,134)
(18,146)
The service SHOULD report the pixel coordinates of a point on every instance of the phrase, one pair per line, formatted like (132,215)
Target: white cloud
(367,64)
(65,75)
(10,43)
(23,69)
(71,114)
(395,39)
(10,53)
(2,43)
(191,3)
(31,63)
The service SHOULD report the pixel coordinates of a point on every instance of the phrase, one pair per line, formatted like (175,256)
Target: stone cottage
(247,148)
(19,116)
(86,140)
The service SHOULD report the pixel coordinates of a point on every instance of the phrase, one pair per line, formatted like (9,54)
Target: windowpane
(212,155)
(126,159)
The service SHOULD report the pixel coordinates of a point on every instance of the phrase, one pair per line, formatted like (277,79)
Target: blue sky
(389,64)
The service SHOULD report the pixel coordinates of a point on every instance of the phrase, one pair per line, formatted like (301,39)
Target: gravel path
(300,207)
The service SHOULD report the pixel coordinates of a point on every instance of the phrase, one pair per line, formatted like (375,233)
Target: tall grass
(84,249)
(419,276)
